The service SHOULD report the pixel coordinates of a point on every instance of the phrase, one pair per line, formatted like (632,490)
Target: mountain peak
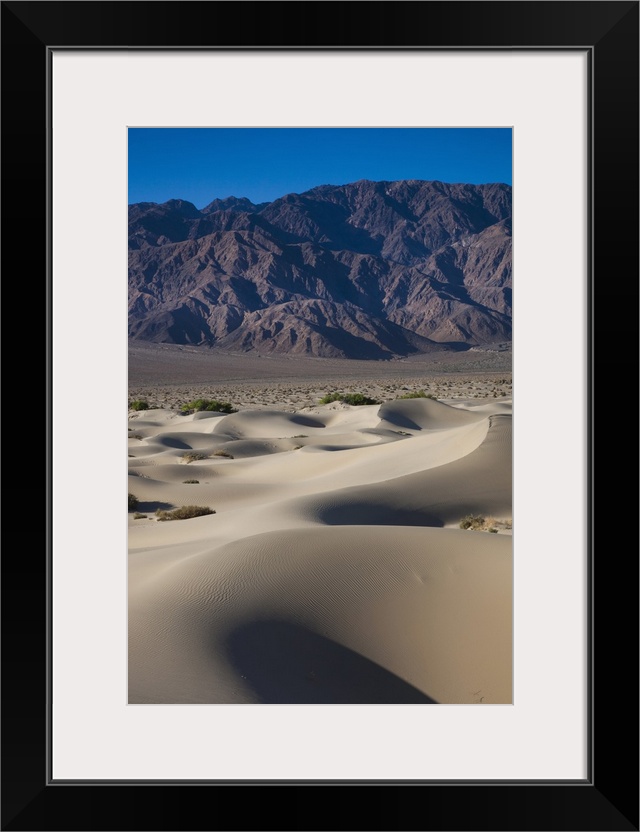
(233,203)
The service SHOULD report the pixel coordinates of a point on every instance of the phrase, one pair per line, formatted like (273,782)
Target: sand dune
(333,569)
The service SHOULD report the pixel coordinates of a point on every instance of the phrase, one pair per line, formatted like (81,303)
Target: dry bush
(193,456)
(472,521)
(478,523)
(183,513)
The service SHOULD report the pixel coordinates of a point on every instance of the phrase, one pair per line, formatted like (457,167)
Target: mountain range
(364,270)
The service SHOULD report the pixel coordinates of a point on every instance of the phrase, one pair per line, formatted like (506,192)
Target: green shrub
(211,405)
(133,502)
(355,399)
(139,404)
(183,513)
(331,397)
(189,482)
(193,456)
(420,394)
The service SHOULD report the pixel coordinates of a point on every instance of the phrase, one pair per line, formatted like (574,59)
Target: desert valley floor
(334,568)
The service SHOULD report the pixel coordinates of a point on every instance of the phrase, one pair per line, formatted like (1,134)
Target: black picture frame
(608,798)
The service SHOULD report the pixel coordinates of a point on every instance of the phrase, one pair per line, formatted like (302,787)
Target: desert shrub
(138,516)
(133,502)
(223,453)
(136,436)
(183,513)
(419,394)
(139,404)
(300,436)
(476,522)
(211,405)
(189,482)
(472,521)
(347,398)
(331,397)
(193,456)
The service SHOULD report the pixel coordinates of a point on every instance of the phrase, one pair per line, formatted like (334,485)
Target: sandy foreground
(334,569)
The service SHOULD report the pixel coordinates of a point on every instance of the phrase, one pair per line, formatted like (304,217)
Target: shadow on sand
(154,505)
(287,664)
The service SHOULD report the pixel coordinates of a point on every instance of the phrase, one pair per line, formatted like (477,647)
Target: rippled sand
(334,569)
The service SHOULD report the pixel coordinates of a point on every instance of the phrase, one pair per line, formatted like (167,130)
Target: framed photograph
(86,750)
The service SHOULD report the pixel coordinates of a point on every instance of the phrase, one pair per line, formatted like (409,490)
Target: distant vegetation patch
(347,398)
(139,404)
(420,394)
(211,405)
(189,482)
(223,453)
(193,456)
(183,513)
(133,502)
(138,516)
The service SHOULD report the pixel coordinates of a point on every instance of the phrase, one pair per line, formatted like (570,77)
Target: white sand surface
(333,569)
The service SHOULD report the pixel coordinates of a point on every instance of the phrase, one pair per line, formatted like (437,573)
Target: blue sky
(200,164)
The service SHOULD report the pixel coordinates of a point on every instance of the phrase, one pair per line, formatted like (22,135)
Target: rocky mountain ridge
(364,270)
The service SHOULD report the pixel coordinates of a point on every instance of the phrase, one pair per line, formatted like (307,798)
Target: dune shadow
(306,421)
(288,664)
(171,442)
(397,418)
(373,514)
(153,506)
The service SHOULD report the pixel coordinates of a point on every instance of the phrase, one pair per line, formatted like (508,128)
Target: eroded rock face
(365,270)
